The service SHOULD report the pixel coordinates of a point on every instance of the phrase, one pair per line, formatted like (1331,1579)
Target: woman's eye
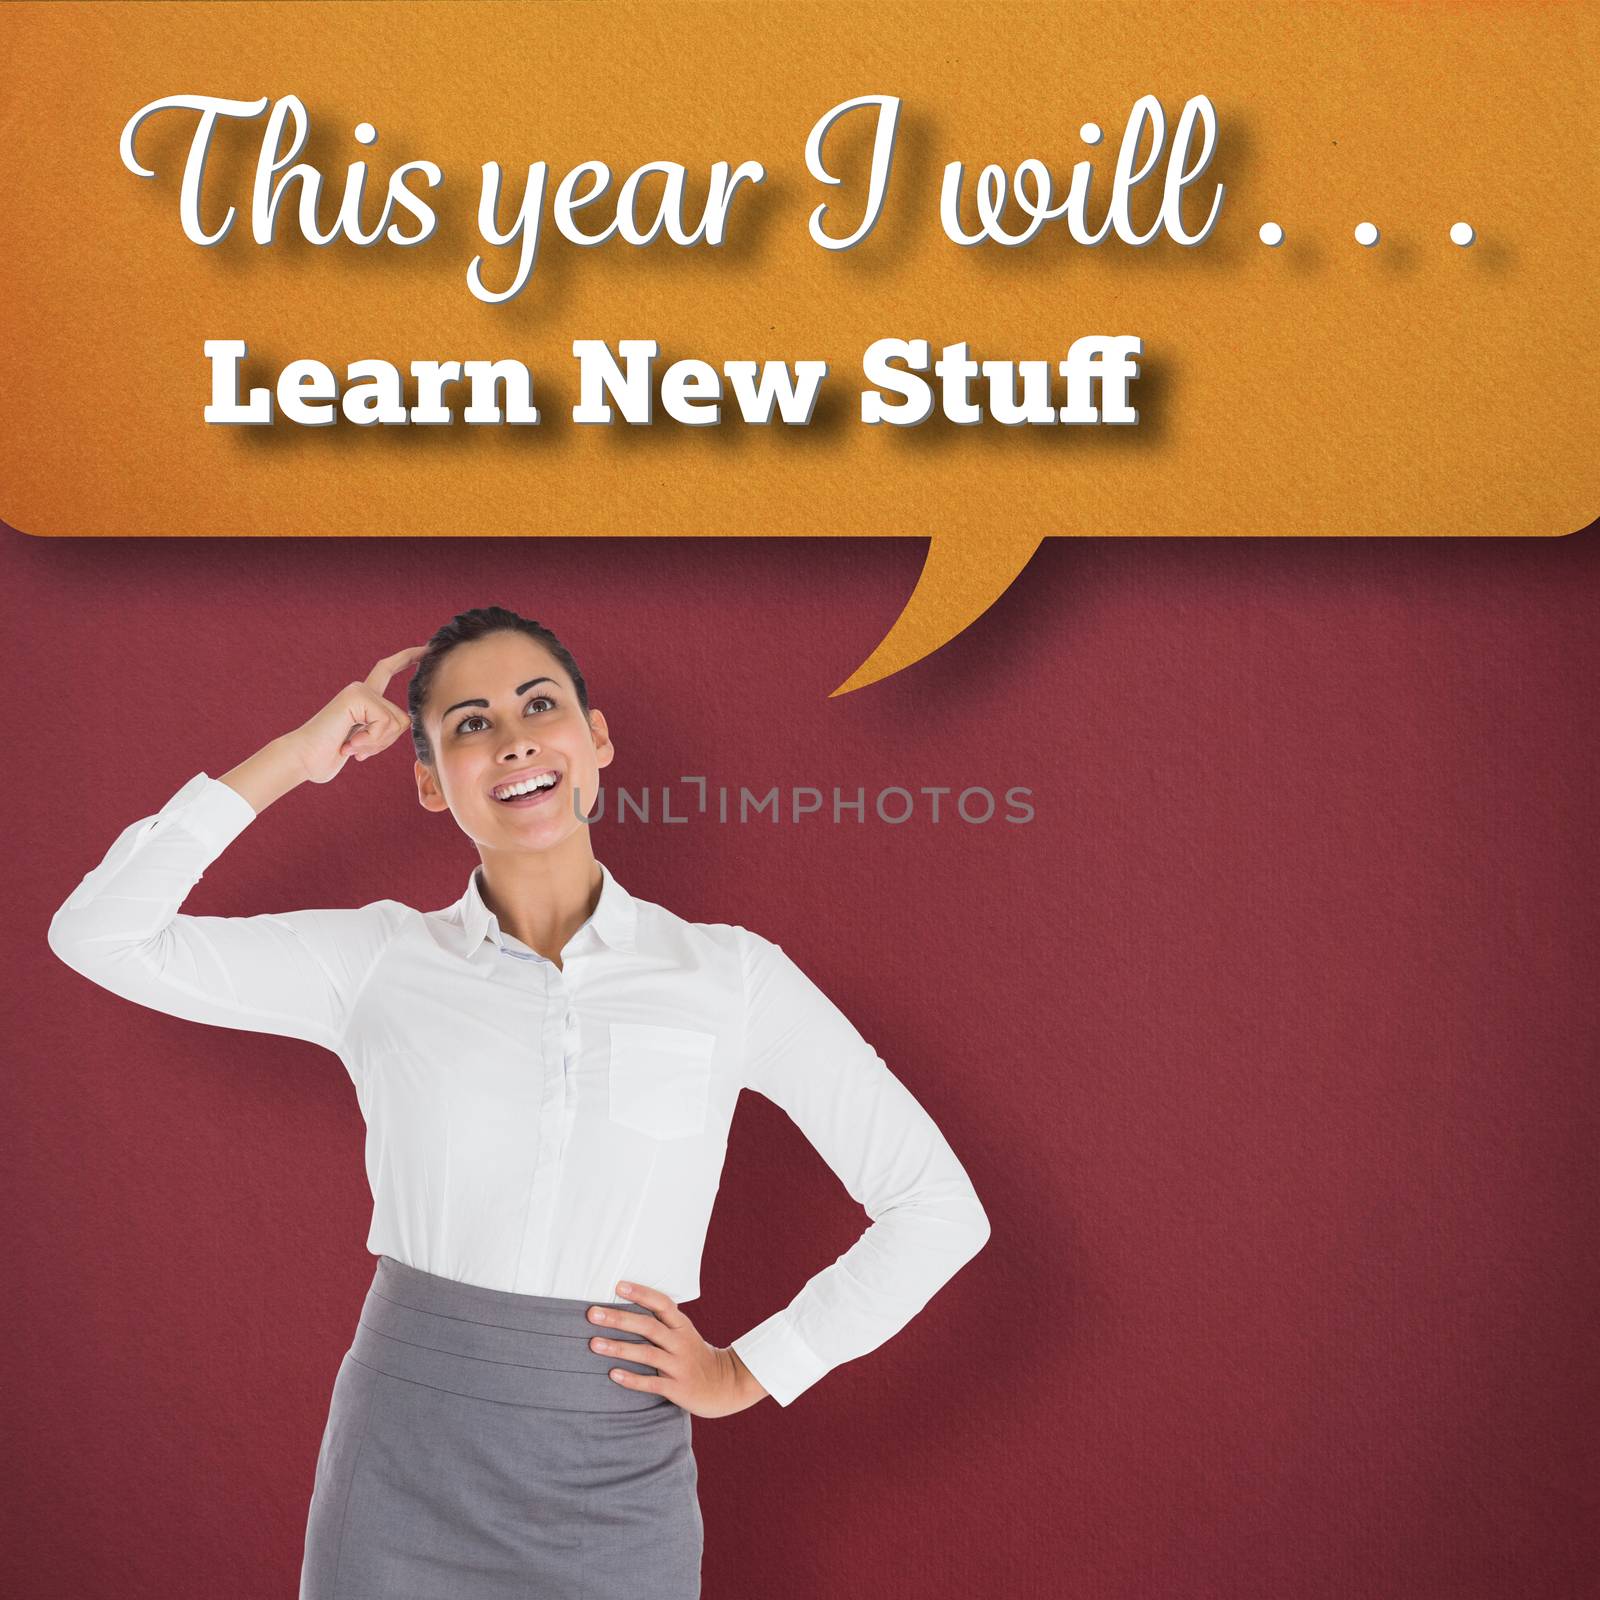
(465,724)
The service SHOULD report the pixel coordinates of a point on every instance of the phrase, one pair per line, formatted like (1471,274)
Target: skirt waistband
(491,1344)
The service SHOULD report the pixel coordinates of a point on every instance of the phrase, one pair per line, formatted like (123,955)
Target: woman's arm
(293,972)
(269,774)
(927,1222)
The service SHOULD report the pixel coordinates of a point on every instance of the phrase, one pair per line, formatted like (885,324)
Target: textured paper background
(1320,388)
(1270,1044)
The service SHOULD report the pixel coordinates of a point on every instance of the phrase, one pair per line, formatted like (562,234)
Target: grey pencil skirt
(476,1449)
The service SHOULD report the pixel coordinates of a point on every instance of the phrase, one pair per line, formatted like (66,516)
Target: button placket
(550,1063)
(560,1040)
(571,1044)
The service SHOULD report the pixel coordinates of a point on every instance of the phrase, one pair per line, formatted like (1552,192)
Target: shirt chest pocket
(660,1079)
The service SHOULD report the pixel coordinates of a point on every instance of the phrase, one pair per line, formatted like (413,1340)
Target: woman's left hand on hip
(705,1380)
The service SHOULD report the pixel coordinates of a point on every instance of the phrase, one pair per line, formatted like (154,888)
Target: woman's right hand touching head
(359,721)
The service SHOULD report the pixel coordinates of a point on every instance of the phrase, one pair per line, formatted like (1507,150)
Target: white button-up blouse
(541,1129)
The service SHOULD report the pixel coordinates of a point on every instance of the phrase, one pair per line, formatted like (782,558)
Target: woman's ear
(428,795)
(603,748)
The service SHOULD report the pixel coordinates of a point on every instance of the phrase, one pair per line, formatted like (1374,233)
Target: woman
(548,1070)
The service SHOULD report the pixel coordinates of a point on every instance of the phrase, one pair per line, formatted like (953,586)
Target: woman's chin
(539,829)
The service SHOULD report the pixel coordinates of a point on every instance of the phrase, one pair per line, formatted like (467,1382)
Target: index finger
(660,1303)
(378,679)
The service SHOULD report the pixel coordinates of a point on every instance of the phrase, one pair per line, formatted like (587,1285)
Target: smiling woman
(548,1068)
(514,755)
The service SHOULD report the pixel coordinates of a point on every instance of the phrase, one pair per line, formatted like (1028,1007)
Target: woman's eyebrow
(521,688)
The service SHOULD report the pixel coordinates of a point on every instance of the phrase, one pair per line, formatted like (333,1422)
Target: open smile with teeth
(525,789)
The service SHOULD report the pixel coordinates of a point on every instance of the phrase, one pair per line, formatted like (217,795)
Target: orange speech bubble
(1326,307)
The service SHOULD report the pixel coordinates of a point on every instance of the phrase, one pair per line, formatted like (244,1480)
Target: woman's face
(502,710)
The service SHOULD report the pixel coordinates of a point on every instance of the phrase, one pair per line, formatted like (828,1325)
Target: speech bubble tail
(961,579)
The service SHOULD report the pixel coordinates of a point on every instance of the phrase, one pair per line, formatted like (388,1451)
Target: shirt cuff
(210,809)
(782,1362)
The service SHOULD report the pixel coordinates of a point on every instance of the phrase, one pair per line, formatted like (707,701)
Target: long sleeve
(293,972)
(803,1054)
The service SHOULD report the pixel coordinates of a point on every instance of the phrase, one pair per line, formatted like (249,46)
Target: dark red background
(1270,1045)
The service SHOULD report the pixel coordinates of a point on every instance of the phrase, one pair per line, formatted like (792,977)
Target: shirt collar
(614,918)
